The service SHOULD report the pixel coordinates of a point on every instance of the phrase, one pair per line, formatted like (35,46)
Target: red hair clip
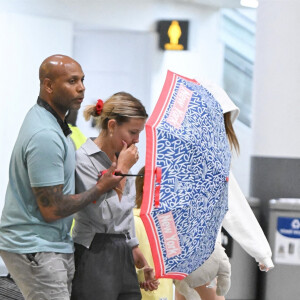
(99,107)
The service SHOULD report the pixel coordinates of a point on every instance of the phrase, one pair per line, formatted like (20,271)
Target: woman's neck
(104,143)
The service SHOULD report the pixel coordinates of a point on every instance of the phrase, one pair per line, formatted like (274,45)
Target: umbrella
(186,177)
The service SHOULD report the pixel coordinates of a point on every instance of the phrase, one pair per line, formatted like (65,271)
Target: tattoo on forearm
(47,196)
(52,198)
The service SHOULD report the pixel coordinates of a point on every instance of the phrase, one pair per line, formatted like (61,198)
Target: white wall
(241,163)
(205,55)
(25,42)
(115,61)
(276,81)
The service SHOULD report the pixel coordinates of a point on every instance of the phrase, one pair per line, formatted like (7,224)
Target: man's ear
(47,84)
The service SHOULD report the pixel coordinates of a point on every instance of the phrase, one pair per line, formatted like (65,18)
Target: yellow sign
(174,33)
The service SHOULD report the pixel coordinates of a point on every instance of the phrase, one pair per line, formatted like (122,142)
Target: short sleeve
(44,156)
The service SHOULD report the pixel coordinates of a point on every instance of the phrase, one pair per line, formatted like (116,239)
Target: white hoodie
(240,221)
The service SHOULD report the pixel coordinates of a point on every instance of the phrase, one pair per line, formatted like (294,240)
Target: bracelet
(119,190)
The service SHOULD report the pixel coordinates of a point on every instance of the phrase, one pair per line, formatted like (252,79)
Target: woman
(106,247)
(239,221)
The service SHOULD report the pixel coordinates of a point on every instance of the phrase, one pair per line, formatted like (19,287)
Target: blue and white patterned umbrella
(186,177)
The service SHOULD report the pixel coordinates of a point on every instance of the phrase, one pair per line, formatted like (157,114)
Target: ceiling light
(249,3)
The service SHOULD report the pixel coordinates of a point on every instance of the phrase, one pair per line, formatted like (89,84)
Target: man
(35,243)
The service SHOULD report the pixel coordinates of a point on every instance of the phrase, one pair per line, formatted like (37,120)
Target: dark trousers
(105,271)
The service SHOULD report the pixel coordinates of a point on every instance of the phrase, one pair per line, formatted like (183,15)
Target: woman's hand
(150,283)
(146,275)
(263,267)
(127,157)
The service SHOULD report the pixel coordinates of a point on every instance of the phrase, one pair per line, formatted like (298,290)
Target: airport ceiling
(214,3)
(40,6)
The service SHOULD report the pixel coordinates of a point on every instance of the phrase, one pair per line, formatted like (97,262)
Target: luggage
(9,290)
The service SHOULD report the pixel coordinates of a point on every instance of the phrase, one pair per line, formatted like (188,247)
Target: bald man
(35,243)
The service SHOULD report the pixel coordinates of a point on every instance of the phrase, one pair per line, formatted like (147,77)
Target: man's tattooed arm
(54,205)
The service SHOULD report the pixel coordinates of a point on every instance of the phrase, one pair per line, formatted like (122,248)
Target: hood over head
(222,97)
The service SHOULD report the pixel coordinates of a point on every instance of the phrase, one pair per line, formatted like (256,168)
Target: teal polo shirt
(43,155)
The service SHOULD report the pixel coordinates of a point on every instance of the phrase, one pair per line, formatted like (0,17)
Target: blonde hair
(232,138)
(139,187)
(120,107)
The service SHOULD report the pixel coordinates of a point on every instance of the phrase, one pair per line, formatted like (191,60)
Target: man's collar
(63,124)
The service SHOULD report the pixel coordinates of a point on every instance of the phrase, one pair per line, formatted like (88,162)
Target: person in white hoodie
(239,221)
